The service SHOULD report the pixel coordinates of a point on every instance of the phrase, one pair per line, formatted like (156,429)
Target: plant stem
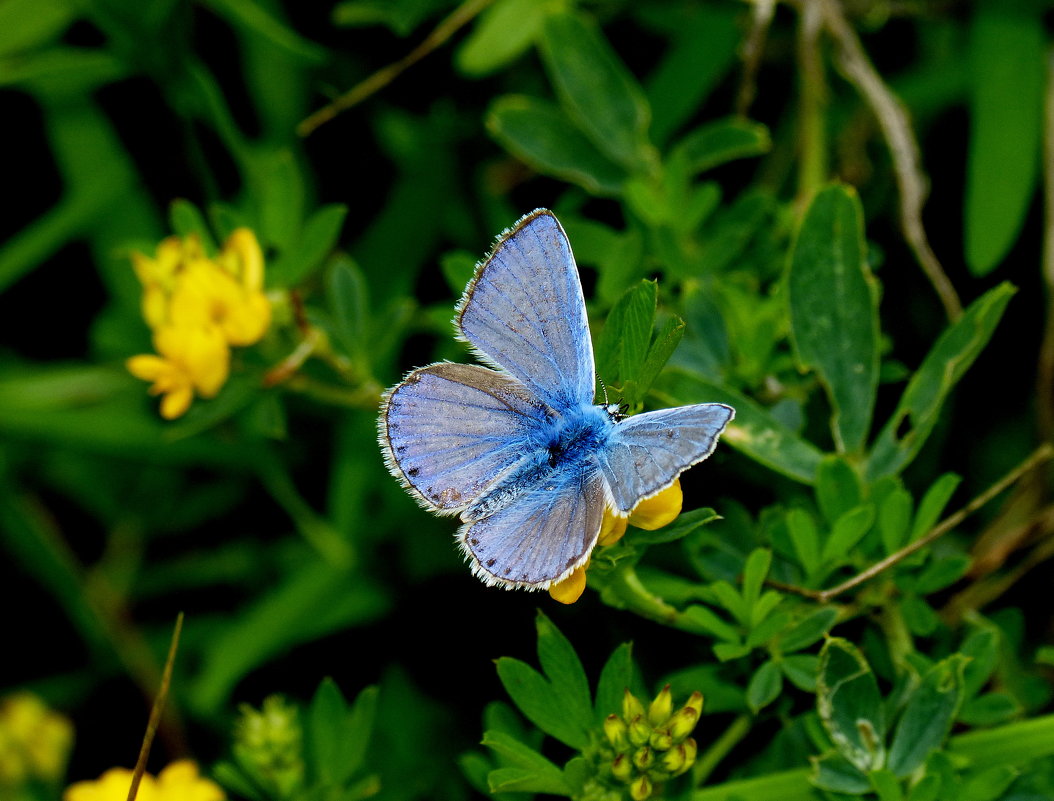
(626,591)
(460,16)
(812,102)
(719,749)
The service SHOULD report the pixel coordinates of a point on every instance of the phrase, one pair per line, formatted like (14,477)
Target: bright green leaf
(529,771)
(834,311)
(596,89)
(502,33)
(721,141)
(849,704)
(838,487)
(928,716)
(809,630)
(541,135)
(920,405)
(764,686)
(1007,51)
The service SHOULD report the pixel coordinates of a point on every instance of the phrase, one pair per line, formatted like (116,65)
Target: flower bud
(682,723)
(640,789)
(660,739)
(660,708)
(631,707)
(639,731)
(643,758)
(675,760)
(622,768)
(616,731)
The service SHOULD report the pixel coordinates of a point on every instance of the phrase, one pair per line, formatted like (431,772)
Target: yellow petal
(611,529)
(176,401)
(111,786)
(657,511)
(243,246)
(147,366)
(181,781)
(247,320)
(571,588)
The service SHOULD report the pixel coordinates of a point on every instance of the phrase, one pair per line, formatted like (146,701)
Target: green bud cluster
(269,745)
(643,748)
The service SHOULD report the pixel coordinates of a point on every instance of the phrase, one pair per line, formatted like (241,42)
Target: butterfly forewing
(541,537)
(525,313)
(451,430)
(645,453)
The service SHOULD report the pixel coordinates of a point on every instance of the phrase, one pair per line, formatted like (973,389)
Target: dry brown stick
(156,710)
(384,76)
(1041,454)
(904,150)
(761,14)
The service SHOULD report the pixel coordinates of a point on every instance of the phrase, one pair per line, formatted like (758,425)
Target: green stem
(719,749)
(812,103)
(625,590)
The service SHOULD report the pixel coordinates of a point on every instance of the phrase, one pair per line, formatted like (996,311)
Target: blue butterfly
(520,452)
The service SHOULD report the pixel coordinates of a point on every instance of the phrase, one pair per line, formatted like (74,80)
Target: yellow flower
(650,514)
(197,307)
(180,781)
(192,359)
(34,740)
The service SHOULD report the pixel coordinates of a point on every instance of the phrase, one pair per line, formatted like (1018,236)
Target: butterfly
(521,453)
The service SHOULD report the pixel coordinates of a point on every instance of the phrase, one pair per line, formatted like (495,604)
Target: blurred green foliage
(737,183)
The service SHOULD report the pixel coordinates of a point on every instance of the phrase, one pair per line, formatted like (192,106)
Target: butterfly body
(521,453)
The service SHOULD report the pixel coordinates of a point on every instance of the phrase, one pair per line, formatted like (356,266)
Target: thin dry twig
(384,76)
(761,14)
(904,150)
(156,710)
(1042,454)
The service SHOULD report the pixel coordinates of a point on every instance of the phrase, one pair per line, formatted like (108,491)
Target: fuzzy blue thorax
(556,453)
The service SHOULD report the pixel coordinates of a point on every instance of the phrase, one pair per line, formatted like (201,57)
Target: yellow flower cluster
(34,741)
(180,781)
(645,748)
(650,514)
(197,308)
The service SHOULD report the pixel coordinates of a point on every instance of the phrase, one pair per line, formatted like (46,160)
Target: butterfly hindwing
(524,312)
(542,536)
(449,431)
(646,452)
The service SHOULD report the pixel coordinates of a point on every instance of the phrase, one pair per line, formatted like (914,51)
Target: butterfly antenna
(603,387)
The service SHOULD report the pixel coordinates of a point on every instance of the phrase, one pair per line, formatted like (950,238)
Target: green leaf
(705,617)
(726,651)
(559,702)
(989,709)
(920,405)
(259,21)
(325,728)
(928,716)
(838,487)
(719,142)
(833,772)
(458,267)
(540,134)
(662,347)
(886,785)
(313,601)
(808,631)
(700,48)
(848,530)
(894,519)
(1007,47)
(988,784)
(933,503)
(731,599)
(834,311)
(317,239)
(348,302)
(186,220)
(806,539)
(764,686)
(28,24)
(503,32)
(941,572)
(801,669)
(754,431)
(680,528)
(530,772)
(623,343)
(919,616)
(755,569)
(279,187)
(849,704)
(615,677)
(596,89)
